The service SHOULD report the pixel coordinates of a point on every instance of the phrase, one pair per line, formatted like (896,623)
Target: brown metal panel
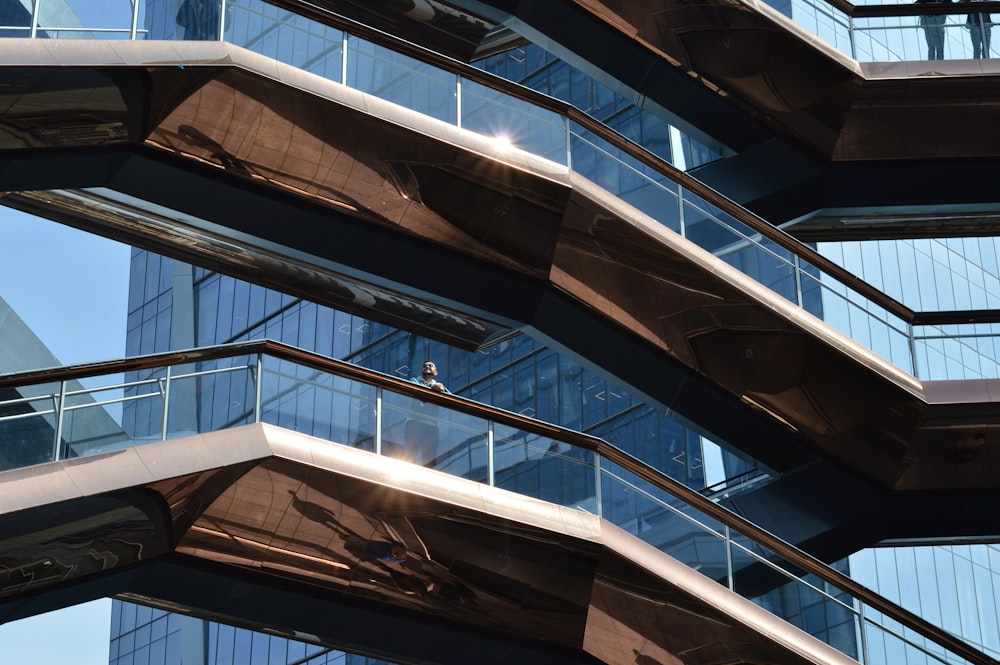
(407,540)
(369,167)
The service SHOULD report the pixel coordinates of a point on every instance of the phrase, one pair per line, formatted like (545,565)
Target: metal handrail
(659,165)
(626,145)
(912,9)
(453,402)
(651,160)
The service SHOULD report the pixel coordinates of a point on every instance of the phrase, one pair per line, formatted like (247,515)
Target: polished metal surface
(422,546)
(800,127)
(304,182)
(749,52)
(73,521)
(889,115)
(954,407)
(785,77)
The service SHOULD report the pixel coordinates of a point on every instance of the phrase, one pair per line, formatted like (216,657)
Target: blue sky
(71,288)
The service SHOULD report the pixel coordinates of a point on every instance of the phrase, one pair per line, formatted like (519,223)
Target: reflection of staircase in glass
(265,382)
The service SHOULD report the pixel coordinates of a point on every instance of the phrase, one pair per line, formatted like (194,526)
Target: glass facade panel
(944,585)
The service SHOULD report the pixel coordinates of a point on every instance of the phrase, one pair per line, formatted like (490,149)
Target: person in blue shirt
(422,430)
(428,378)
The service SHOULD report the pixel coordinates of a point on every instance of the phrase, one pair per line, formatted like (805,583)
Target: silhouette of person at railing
(980,26)
(200,19)
(422,431)
(933,25)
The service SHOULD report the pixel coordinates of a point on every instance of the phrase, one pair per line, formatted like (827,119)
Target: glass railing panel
(91,421)
(895,644)
(886,39)
(607,166)
(316,403)
(760,567)
(77,19)
(398,411)
(286,37)
(766,263)
(957,351)
(278,392)
(860,319)
(663,521)
(463,448)
(712,229)
(755,572)
(339,410)
(523,125)
(27,426)
(786,590)
(142,409)
(807,606)
(829,24)
(428,434)
(402,80)
(541,467)
(904,38)
(210,397)
(16,24)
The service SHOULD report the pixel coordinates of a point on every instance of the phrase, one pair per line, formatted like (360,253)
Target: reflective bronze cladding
(766,66)
(274,171)
(799,126)
(335,527)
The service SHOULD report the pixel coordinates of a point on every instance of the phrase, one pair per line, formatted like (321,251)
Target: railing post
(378,421)
(598,496)
(797,267)
(60,402)
(850,37)
(343,60)
(490,450)
(134,29)
(257,388)
(165,393)
(569,143)
(912,339)
(222,20)
(681,227)
(458,101)
(33,32)
(730,580)
(862,634)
